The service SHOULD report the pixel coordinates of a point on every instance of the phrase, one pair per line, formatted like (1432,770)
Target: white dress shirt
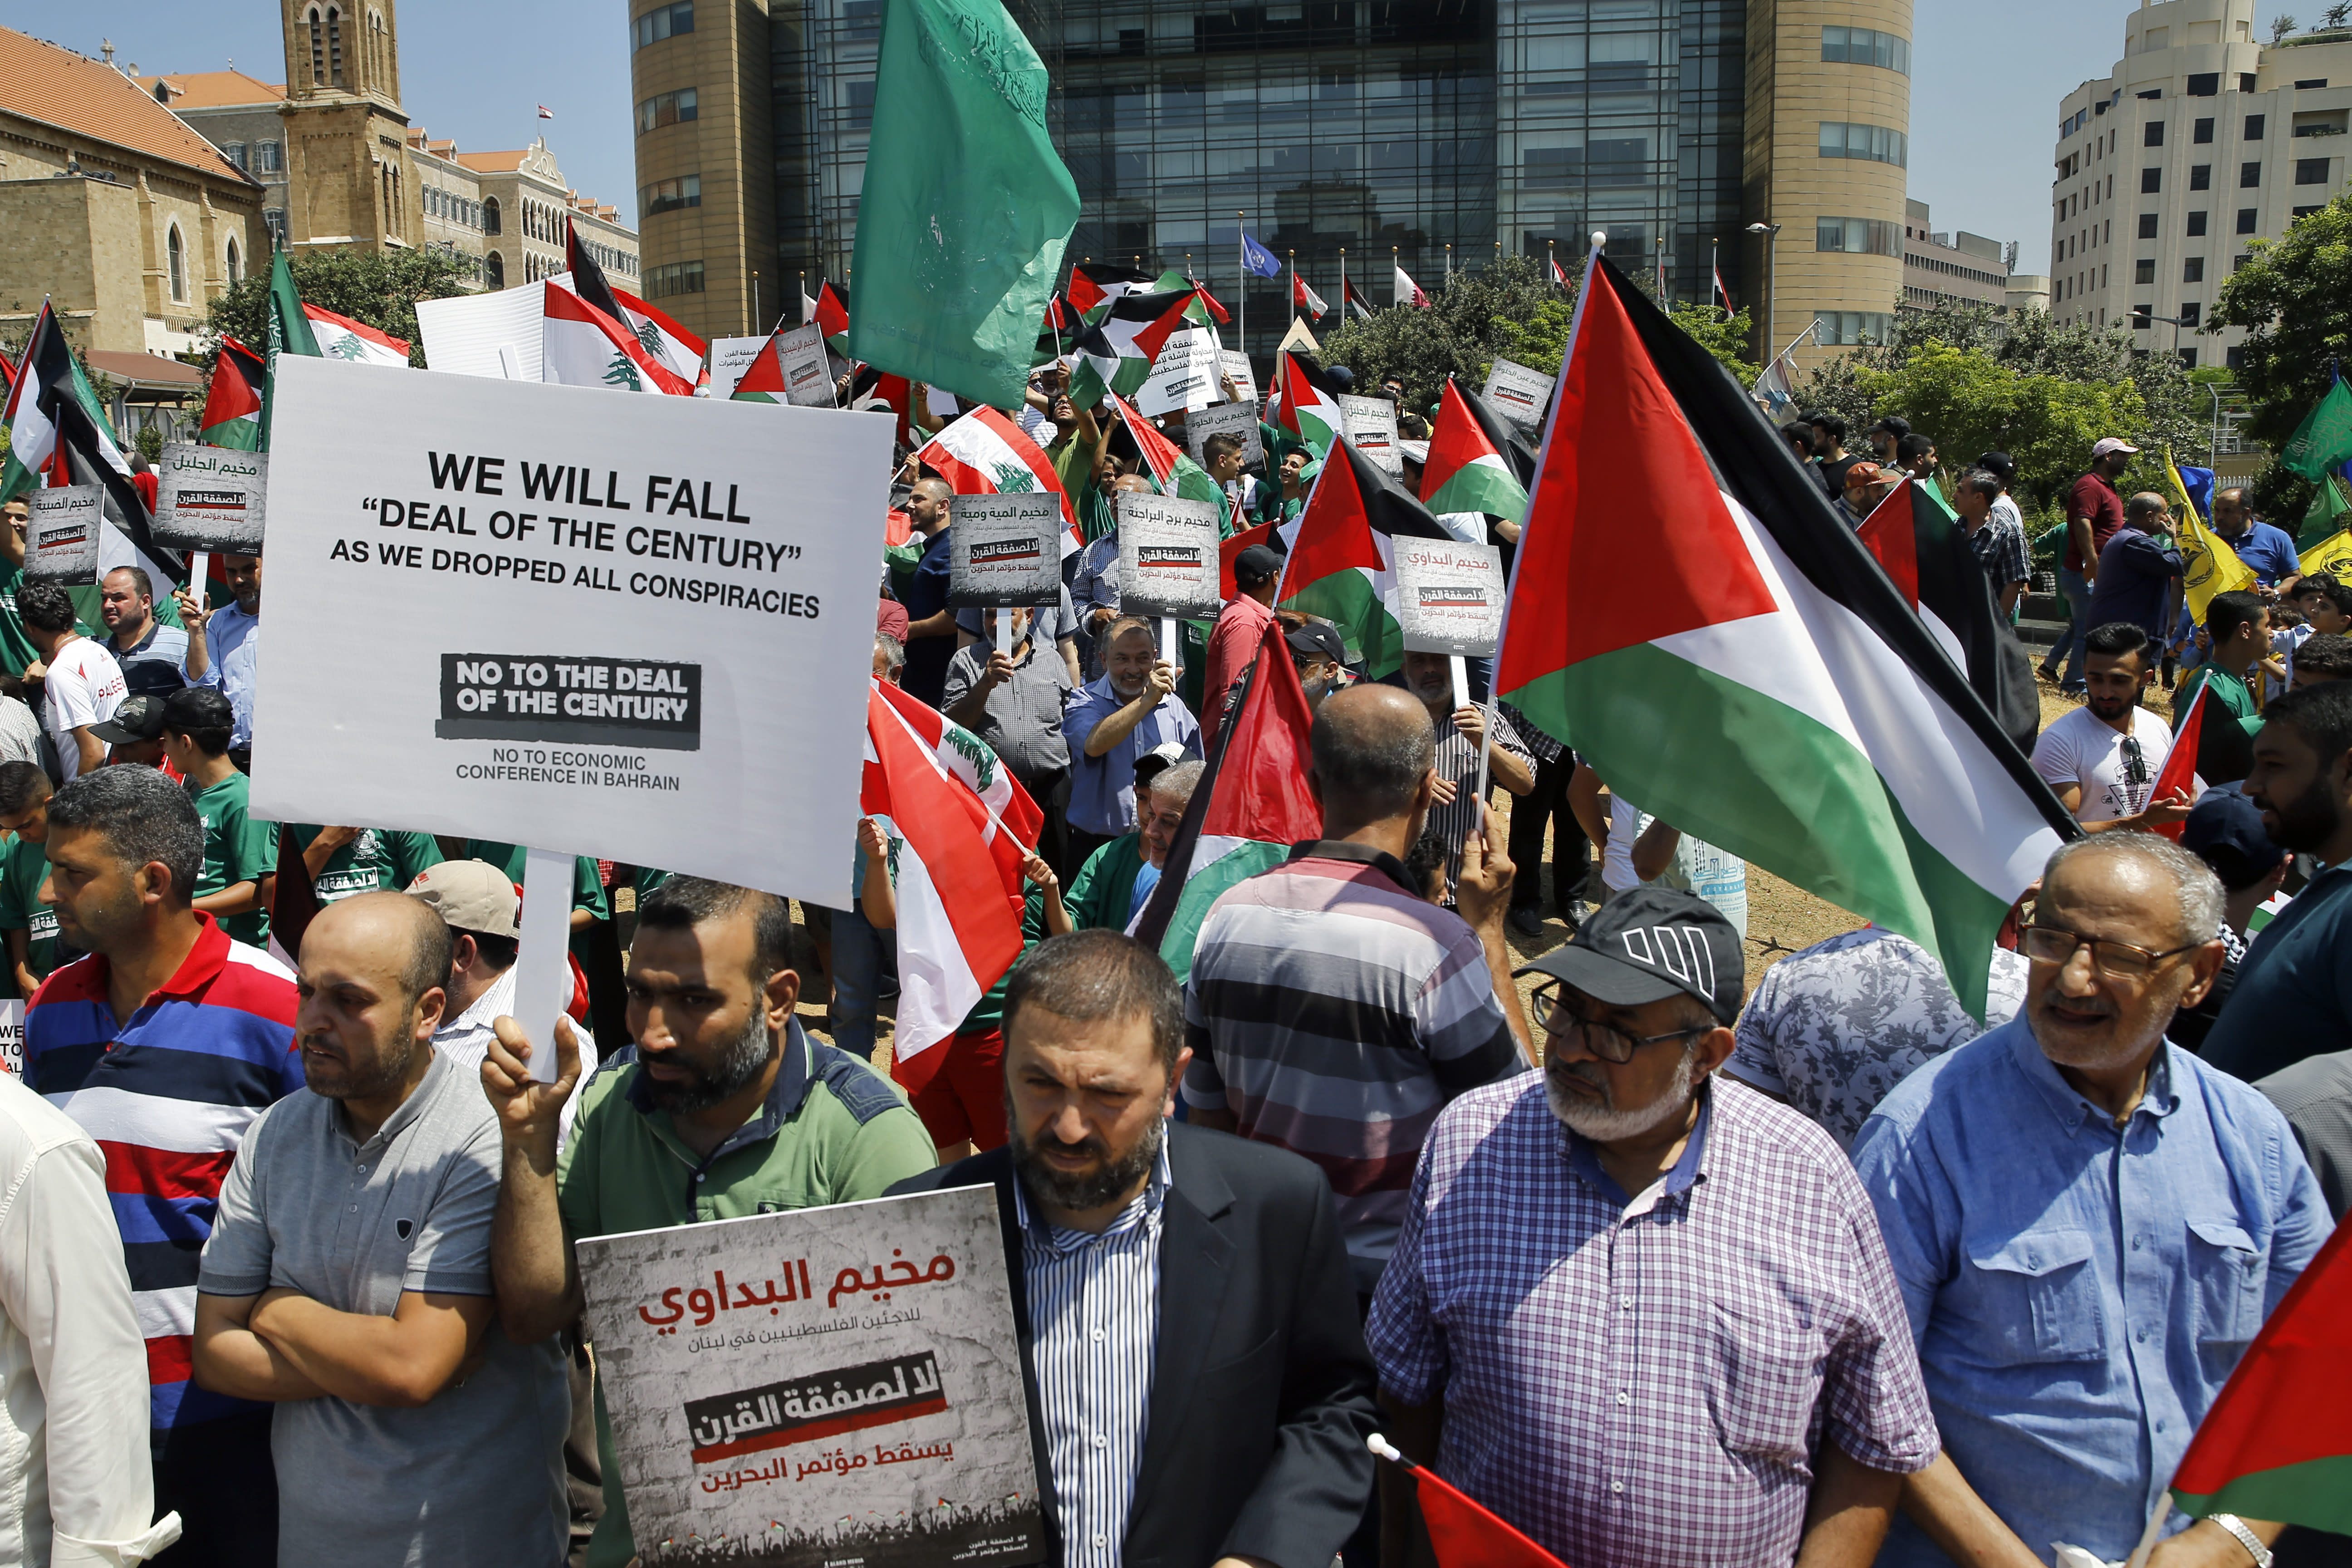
(466,1039)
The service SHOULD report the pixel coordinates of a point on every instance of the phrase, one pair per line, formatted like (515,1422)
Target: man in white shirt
(81,683)
(224,648)
(2103,759)
(73,1365)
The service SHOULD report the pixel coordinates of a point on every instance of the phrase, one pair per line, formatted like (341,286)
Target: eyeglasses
(2115,960)
(2135,762)
(1554,1016)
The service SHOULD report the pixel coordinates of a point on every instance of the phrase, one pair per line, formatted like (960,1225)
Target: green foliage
(2295,300)
(1725,337)
(379,289)
(1971,403)
(150,443)
(1473,318)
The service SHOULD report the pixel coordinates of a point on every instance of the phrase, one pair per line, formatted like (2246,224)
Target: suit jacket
(1261,1387)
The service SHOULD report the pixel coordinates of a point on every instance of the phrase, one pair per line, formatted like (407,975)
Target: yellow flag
(2208,567)
(2332,555)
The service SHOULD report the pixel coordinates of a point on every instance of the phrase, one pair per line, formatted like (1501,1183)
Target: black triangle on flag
(588,279)
(1502,433)
(1953,588)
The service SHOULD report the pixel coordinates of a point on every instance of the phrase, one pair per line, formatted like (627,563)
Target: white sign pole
(1004,631)
(542,964)
(199,564)
(1169,649)
(1461,682)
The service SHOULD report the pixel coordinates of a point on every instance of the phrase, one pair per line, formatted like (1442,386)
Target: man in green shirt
(346,860)
(2239,623)
(35,947)
(240,868)
(721,1108)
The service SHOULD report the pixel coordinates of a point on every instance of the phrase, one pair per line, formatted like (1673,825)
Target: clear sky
(1987,76)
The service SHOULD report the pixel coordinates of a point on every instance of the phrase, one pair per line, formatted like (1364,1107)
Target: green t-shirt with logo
(22,868)
(378,859)
(238,847)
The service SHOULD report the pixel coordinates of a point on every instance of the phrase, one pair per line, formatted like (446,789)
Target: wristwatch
(2246,1538)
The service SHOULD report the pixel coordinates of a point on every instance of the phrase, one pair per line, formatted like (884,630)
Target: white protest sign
(1168,560)
(498,334)
(61,538)
(12,1027)
(729,358)
(1005,549)
(1237,369)
(1372,427)
(1518,394)
(634,628)
(1183,376)
(807,383)
(821,1387)
(209,498)
(1449,596)
(1225,419)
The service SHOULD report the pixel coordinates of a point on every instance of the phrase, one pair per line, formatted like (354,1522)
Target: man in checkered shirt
(1686,1348)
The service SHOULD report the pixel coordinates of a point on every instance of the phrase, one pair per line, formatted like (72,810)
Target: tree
(1725,337)
(2281,26)
(1471,319)
(380,289)
(2335,15)
(1970,403)
(2295,300)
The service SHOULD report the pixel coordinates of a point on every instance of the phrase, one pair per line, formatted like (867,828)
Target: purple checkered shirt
(1643,1384)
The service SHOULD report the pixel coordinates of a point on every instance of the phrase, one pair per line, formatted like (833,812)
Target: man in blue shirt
(2088,1226)
(2139,570)
(224,648)
(2292,998)
(1110,722)
(930,623)
(2269,551)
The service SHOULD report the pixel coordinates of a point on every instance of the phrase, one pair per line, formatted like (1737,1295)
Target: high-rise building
(2200,141)
(1430,134)
(1939,268)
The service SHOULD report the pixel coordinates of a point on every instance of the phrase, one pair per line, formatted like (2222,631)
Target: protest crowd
(1400,1152)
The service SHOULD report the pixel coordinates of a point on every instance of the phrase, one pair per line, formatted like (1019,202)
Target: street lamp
(1772,233)
(2176,323)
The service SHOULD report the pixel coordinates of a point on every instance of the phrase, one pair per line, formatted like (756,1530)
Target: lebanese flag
(986,454)
(1251,805)
(670,345)
(959,885)
(1306,299)
(582,346)
(1559,273)
(1305,406)
(1463,1531)
(340,337)
(1340,568)
(1351,295)
(1408,292)
(1476,462)
(1686,605)
(232,415)
(2179,774)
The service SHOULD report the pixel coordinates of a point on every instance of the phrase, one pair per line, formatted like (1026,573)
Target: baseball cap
(198,708)
(1649,943)
(2225,830)
(1893,426)
(1863,474)
(1158,761)
(1254,566)
(2106,444)
(1317,640)
(472,895)
(139,719)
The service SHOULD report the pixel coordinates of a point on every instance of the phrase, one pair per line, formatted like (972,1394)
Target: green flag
(966,208)
(2330,513)
(289,333)
(2324,439)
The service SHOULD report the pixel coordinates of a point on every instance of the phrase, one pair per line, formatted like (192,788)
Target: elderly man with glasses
(2089,1225)
(1641,1311)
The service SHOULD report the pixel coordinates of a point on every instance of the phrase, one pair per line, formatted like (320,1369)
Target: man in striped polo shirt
(165,1044)
(1334,1011)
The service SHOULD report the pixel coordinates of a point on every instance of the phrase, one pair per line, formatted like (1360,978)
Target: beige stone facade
(525,203)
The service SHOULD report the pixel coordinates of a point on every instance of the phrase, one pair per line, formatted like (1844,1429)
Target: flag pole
(1241,283)
(1294,285)
(1395,267)
(1343,285)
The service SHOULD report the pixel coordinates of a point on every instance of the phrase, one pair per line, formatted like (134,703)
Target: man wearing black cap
(1687,1344)
(135,734)
(1321,658)
(1239,632)
(1887,439)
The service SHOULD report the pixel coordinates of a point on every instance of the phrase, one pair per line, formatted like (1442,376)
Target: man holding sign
(1132,710)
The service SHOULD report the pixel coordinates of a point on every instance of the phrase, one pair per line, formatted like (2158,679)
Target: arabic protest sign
(1168,557)
(1518,394)
(1244,380)
(1372,427)
(210,498)
(61,539)
(800,352)
(623,632)
(1005,549)
(1449,596)
(729,358)
(1183,376)
(862,1403)
(1225,419)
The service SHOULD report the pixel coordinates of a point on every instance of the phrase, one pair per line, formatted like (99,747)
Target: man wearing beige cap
(485,915)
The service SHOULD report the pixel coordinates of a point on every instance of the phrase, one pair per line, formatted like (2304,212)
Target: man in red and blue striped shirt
(165,1044)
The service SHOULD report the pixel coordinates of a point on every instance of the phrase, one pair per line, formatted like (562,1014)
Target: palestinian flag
(969,825)
(1230,551)
(1463,1531)
(1116,351)
(1685,606)
(232,415)
(2277,1443)
(1339,565)
(586,278)
(290,333)
(1252,805)
(2178,775)
(1306,299)
(1304,405)
(1172,469)
(1920,542)
(763,379)
(1093,282)
(1351,295)
(340,337)
(1477,461)
(582,346)
(985,453)
(831,312)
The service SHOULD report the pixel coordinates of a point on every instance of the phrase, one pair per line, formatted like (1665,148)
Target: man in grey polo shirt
(348,1278)
(1015,704)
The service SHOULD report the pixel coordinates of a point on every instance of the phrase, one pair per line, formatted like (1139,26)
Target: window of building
(335,45)
(274,220)
(2303,212)
(2192,269)
(859,99)
(2311,82)
(668,196)
(2248,176)
(2143,317)
(2201,132)
(1858,236)
(1846,327)
(2148,222)
(2144,269)
(2188,359)
(2195,225)
(1861,47)
(236,264)
(2152,133)
(494,269)
(2235,357)
(668,109)
(235,152)
(677,278)
(2204,84)
(273,158)
(1875,142)
(490,216)
(2311,171)
(2187,316)
(2237,262)
(2254,125)
(2200,176)
(663,21)
(175,251)
(2151,181)
(318,49)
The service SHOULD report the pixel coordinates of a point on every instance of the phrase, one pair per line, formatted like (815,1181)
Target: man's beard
(2307,821)
(1605,1123)
(1129,689)
(1088,1190)
(738,1065)
(2111,707)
